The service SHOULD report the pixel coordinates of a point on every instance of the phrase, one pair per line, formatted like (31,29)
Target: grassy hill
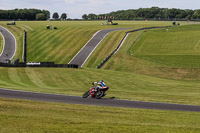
(139,71)
(169,53)
(62,44)
(154,68)
(123,85)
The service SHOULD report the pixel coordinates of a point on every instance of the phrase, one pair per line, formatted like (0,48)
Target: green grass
(168,54)
(129,76)
(139,71)
(177,46)
(28,116)
(122,85)
(61,45)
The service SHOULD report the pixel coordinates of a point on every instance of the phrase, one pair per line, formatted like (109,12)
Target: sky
(76,8)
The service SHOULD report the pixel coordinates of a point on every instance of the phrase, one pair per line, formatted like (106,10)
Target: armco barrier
(24,47)
(119,45)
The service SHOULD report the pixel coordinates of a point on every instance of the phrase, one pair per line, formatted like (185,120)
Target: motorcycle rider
(100,84)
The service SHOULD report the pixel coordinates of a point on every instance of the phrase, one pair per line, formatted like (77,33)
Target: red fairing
(91,92)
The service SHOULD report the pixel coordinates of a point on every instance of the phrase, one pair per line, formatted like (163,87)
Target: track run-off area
(5,93)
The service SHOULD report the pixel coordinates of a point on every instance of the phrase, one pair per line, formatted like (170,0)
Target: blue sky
(76,8)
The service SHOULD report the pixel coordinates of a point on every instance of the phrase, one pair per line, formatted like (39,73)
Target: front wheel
(86,94)
(99,94)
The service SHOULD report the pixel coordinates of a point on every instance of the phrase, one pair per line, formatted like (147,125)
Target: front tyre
(99,94)
(86,94)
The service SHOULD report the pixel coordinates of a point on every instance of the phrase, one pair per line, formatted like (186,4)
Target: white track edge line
(3,44)
(15,42)
(84,45)
(94,49)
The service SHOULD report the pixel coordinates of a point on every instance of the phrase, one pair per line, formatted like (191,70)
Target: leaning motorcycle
(96,93)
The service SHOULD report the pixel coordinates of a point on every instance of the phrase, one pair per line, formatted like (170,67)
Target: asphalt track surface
(81,57)
(98,102)
(9,45)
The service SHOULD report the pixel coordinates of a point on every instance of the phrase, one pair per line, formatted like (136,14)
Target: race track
(9,45)
(89,101)
(81,57)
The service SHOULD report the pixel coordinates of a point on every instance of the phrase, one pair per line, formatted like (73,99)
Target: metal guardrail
(24,46)
(119,45)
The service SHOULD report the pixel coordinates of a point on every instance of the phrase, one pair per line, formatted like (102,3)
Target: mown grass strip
(122,85)
(28,116)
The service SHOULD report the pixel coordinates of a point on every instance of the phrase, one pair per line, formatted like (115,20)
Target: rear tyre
(99,94)
(86,94)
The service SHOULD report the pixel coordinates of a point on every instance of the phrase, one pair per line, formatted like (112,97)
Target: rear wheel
(86,94)
(99,94)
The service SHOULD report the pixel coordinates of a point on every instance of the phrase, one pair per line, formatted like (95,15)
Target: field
(62,44)
(1,43)
(28,116)
(159,65)
(122,85)
(168,53)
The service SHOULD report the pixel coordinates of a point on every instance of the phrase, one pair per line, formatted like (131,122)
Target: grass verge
(28,116)
(122,85)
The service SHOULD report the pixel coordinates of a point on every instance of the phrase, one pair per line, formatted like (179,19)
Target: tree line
(29,14)
(147,13)
(24,14)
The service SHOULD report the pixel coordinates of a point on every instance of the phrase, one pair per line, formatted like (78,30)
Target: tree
(91,16)
(40,16)
(196,14)
(55,15)
(85,17)
(63,16)
(24,14)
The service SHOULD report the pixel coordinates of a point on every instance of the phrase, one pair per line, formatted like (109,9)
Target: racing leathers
(99,84)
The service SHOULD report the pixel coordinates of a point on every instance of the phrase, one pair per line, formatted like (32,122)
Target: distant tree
(196,14)
(148,13)
(55,15)
(63,16)
(85,16)
(91,16)
(24,14)
(41,16)
(47,14)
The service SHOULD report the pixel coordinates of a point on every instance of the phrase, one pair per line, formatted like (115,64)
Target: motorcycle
(96,92)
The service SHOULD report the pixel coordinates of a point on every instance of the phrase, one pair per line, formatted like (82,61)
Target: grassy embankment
(122,85)
(124,82)
(62,44)
(171,53)
(28,116)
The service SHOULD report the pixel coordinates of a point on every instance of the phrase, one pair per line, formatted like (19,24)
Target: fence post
(24,46)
